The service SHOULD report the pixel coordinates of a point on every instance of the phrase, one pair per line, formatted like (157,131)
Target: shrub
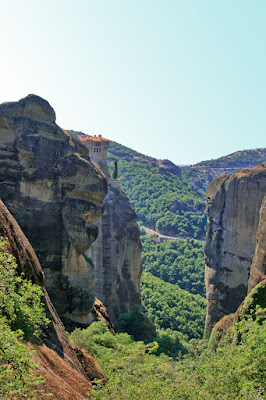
(21,314)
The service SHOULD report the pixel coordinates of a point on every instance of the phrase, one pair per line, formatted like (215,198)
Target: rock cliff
(67,372)
(116,254)
(258,268)
(55,193)
(235,210)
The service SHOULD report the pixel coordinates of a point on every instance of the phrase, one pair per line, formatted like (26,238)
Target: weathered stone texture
(55,193)
(258,268)
(116,254)
(166,167)
(67,374)
(233,208)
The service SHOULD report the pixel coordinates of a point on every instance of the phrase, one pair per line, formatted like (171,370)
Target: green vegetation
(239,159)
(135,323)
(163,202)
(168,306)
(125,153)
(179,262)
(235,371)
(21,314)
(115,171)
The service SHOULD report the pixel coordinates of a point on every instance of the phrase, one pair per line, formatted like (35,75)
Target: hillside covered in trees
(239,159)
(163,201)
(179,262)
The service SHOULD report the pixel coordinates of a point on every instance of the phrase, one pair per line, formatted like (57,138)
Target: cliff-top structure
(235,251)
(55,192)
(97,146)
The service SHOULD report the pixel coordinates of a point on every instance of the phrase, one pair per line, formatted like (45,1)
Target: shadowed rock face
(55,193)
(234,209)
(67,374)
(116,254)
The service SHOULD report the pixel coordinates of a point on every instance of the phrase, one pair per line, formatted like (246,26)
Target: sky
(183,80)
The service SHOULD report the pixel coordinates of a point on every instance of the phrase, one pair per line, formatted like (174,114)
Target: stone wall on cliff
(234,210)
(116,254)
(55,192)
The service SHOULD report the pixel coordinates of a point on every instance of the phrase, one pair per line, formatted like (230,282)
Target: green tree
(115,170)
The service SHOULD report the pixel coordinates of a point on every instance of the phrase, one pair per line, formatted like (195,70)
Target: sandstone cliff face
(258,268)
(234,209)
(55,193)
(116,254)
(67,373)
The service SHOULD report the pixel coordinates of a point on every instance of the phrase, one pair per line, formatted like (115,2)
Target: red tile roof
(88,138)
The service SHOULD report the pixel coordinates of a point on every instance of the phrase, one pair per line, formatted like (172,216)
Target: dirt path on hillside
(151,232)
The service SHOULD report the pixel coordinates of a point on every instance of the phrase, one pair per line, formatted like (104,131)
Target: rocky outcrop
(67,374)
(55,193)
(116,254)
(235,210)
(100,313)
(167,167)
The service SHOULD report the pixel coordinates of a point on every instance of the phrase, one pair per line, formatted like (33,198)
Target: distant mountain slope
(239,159)
(162,198)
(173,201)
(127,154)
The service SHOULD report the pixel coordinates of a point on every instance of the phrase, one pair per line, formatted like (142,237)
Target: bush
(21,314)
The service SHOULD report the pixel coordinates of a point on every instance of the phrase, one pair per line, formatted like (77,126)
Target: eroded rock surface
(234,209)
(55,193)
(167,167)
(258,268)
(67,372)
(116,254)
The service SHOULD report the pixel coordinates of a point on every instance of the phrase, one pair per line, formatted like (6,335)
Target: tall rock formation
(116,254)
(235,209)
(258,268)
(55,193)
(67,372)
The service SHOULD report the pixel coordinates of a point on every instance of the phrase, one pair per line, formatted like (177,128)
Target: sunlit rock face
(55,193)
(234,209)
(258,268)
(116,254)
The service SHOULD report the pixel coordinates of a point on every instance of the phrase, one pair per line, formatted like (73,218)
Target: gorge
(84,231)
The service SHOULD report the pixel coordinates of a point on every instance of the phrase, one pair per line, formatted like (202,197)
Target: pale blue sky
(177,79)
